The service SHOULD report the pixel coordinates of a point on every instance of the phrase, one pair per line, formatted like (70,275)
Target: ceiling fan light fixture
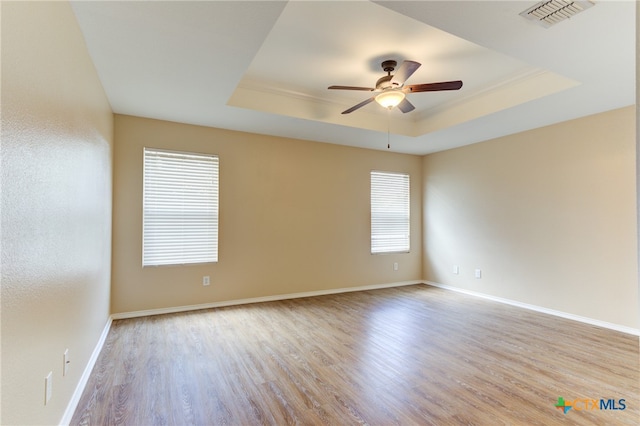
(390,98)
(391,88)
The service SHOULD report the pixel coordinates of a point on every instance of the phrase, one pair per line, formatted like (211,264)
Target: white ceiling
(264,66)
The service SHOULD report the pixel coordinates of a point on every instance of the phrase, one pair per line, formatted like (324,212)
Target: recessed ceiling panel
(314,45)
(264,66)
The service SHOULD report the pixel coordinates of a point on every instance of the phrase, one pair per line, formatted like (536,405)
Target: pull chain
(388,128)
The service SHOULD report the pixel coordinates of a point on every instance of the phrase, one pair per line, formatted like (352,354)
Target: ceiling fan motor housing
(385,83)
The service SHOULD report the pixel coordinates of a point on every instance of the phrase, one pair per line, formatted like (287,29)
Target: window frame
(398,217)
(186,197)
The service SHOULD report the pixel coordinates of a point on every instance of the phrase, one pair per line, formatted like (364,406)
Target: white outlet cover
(456,269)
(65,362)
(206,280)
(48,387)
(478,273)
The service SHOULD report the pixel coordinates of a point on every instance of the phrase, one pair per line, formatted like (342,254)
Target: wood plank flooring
(406,356)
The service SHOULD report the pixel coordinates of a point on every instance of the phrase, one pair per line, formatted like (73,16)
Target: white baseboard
(591,321)
(171,310)
(75,398)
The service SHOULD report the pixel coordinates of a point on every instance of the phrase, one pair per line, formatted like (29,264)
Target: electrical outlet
(395,266)
(206,280)
(456,269)
(65,362)
(478,273)
(48,387)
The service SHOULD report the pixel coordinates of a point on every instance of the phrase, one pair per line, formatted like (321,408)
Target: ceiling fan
(391,89)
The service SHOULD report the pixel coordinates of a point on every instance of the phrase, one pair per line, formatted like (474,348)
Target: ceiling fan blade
(405,106)
(404,72)
(433,87)
(360,105)
(368,89)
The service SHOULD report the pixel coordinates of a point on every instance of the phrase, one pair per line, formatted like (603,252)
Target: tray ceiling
(265,67)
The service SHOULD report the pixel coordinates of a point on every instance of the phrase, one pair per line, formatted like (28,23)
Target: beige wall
(57,129)
(549,215)
(294,217)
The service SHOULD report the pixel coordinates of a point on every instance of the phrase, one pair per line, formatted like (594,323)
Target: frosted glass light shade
(390,98)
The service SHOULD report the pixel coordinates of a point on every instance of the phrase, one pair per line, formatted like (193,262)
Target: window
(389,212)
(180,208)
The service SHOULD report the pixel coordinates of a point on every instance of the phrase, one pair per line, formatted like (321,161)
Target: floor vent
(548,13)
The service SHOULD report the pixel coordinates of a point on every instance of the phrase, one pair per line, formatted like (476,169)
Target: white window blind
(389,212)
(180,208)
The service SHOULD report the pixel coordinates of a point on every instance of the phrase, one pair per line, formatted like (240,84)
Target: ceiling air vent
(548,13)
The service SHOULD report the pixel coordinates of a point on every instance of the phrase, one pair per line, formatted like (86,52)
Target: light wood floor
(409,355)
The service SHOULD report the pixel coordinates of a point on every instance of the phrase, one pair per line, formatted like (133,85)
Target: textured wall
(549,215)
(57,131)
(294,217)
